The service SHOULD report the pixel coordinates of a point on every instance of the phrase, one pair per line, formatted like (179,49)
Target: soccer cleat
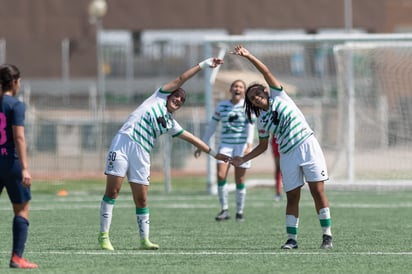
(326,242)
(148,245)
(290,244)
(223,215)
(239,217)
(104,241)
(278,197)
(19,262)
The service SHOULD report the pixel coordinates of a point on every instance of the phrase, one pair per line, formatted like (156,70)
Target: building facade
(33,32)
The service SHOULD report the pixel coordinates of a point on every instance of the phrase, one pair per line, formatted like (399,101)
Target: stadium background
(68,61)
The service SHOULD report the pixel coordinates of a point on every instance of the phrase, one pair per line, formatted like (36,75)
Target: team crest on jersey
(275,117)
(161,120)
(233,117)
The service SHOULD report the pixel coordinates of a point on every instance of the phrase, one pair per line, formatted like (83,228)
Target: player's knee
(141,202)
(112,193)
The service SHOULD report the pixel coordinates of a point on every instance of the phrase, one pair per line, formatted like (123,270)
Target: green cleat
(148,245)
(104,241)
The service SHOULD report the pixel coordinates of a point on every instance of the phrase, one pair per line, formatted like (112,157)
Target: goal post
(355,90)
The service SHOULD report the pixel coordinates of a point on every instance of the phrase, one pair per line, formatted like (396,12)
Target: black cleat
(290,244)
(223,215)
(326,242)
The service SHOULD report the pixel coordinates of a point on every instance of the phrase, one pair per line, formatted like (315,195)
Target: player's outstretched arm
(259,149)
(263,69)
(197,142)
(212,62)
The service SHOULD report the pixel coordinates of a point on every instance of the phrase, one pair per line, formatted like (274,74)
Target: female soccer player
(14,170)
(301,156)
(236,139)
(129,152)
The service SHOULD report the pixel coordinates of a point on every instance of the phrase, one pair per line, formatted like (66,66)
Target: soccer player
(236,139)
(301,156)
(14,170)
(129,152)
(278,173)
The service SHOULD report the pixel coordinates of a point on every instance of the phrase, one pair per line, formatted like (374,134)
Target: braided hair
(249,107)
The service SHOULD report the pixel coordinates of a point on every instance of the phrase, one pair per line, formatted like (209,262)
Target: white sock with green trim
(143,222)
(240,197)
(222,192)
(106,213)
(292,224)
(325,221)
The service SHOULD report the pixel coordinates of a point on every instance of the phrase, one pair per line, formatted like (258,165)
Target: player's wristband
(205,63)
(212,153)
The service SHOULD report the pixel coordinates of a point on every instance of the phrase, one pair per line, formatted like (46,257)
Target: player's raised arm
(212,62)
(267,74)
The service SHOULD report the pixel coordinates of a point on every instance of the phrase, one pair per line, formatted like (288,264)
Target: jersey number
(3,123)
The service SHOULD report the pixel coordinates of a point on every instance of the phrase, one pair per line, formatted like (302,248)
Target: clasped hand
(223,157)
(237,161)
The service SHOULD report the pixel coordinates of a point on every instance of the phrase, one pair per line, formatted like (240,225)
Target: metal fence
(69,131)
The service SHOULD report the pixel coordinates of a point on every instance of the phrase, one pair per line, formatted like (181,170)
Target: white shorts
(304,162)
(233,151)
(126,157)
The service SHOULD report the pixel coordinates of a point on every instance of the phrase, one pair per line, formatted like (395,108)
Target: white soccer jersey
(236,128)
(285,120)
(150,120)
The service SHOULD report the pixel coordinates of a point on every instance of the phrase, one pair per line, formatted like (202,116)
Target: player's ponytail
(8,73)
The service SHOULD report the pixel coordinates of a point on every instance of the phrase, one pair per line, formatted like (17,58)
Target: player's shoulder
(225,102)
(12,102)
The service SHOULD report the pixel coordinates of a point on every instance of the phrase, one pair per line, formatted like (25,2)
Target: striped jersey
(235,127)
(284,120)
(150,120)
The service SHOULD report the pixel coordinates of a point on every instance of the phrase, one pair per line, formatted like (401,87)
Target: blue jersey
(12,113)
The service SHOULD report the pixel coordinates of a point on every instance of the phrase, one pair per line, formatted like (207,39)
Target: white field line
(212,253)
(171,203)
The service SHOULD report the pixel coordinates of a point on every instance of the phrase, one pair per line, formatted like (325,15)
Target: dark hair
(8,73)
(179,92)
(249,107)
